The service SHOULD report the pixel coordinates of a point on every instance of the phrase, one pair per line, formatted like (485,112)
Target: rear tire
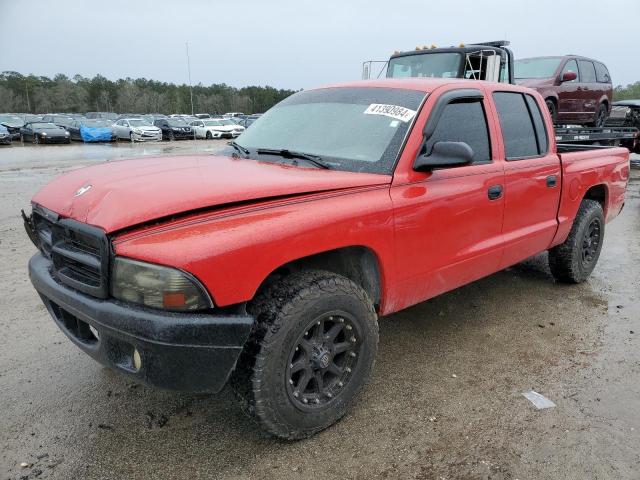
(601,116)
(311,352)
(553,110)
(574,260)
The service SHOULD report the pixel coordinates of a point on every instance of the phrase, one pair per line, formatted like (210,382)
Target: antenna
(189,72)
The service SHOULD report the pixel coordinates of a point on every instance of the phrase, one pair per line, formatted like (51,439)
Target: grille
(79,252)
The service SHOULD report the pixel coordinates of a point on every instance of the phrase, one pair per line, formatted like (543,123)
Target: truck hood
(121,194)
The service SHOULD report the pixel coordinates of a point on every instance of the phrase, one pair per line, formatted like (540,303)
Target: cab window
(521,125)
(464,121)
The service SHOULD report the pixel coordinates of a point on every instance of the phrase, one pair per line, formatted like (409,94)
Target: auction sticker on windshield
(393,111)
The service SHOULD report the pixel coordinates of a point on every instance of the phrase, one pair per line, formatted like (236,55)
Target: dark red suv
(576,89)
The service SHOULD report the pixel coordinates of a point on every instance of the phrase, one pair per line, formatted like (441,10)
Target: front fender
(232,252)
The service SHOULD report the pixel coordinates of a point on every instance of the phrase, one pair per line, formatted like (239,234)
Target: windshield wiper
(284,153)
(239,148)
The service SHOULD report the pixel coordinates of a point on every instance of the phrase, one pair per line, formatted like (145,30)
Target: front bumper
(142,137)
(191,352)
(55,139)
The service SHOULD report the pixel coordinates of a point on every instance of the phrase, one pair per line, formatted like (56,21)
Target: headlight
(44,134)
(156,286)
(66,133)
(137,130)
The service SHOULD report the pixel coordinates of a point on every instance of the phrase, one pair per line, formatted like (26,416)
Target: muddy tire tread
(563,259)
(273,308)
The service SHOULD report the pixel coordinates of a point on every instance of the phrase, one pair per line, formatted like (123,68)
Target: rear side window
(602,74)
(538,123)
(517,124)
(464,122)
(587,72)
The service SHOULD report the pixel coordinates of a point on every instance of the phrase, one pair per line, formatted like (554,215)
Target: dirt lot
(444,401)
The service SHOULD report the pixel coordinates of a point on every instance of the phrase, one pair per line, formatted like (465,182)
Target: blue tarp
(95,134)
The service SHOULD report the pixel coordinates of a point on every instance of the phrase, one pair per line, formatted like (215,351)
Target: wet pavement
(444,402)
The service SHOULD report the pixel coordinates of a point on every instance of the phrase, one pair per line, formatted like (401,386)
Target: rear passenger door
(532,177)
(588,90)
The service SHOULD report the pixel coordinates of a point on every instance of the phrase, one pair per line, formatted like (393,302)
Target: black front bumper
(178,351)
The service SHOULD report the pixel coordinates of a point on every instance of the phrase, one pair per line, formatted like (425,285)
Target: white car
(136,130)
(216,128)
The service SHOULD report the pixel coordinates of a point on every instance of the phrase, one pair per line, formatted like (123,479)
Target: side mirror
(569,76)
(445,155)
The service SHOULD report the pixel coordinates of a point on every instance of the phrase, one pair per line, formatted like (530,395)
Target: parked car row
(107,127)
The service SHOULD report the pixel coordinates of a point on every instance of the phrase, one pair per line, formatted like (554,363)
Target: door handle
(494,192)
(552,181)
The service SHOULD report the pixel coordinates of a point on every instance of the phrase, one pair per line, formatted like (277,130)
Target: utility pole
(189,71)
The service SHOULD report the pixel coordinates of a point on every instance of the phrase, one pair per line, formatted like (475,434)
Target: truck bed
(606,168)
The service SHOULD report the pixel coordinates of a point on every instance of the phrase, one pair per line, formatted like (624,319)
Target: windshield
(138,122)
(536,67)
(96,123)
(11,119)
(177,122)
(353,129)
(431,65)
(212,123)
(45,126)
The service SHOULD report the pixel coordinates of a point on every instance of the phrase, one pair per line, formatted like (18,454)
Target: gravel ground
(444,402)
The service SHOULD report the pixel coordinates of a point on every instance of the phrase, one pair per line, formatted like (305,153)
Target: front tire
(574,260)
(208,136)
(310,354)
(36,139)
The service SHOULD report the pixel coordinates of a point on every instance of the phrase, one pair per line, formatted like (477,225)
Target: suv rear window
(520,126)
(602,74)
(587,72)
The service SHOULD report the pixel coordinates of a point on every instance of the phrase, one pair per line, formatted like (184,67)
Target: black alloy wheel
(591,242)
(322,360)
(601,117)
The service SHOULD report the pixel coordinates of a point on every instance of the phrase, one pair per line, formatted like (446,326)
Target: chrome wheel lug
(353,339)
(304,400)
(348,370)
(329,395)
(317,400)
(290,382)
(296,394)
(352,354)
(348,327)
(340,384)
(341,320)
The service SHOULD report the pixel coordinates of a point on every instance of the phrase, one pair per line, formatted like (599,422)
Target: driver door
(449,221)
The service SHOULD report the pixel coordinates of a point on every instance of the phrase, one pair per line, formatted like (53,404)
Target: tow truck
(493,62)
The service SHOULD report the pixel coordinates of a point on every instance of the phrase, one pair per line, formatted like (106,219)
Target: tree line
(630,92)
(39,94)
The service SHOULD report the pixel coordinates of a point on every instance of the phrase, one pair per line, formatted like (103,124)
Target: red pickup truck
(268,265)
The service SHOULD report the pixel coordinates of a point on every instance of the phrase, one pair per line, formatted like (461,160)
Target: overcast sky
(296,44)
